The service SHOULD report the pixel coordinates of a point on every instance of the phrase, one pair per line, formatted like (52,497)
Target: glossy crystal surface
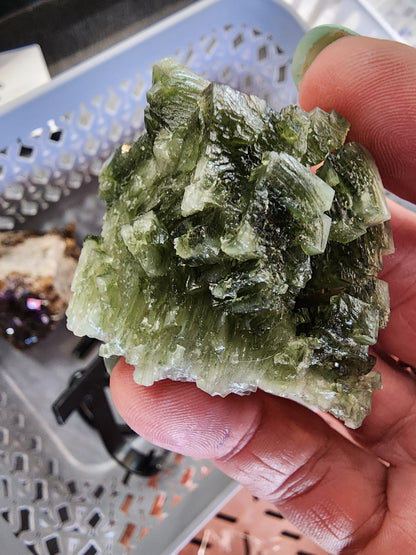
(226,261)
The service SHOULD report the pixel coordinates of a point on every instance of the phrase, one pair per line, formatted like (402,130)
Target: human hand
(350,491)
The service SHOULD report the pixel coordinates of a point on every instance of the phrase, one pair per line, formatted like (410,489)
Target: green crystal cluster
(226,261)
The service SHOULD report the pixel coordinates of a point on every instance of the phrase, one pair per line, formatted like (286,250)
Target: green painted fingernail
(311,44)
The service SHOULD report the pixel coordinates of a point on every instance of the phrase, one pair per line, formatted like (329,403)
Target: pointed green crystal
(226,261)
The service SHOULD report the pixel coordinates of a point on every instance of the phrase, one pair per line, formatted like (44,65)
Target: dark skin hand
(349,491)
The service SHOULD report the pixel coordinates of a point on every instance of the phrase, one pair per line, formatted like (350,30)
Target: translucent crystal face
(226,261)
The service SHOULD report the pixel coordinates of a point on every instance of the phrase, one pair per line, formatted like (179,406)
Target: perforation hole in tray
(56,135)
(25,151)
(90,549)
(68,151)
(5,486)
(53,545)
(40,490)
(25,520)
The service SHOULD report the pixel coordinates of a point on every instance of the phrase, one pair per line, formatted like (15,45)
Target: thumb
(371,82)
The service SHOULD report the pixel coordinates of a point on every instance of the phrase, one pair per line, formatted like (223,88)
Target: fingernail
(311,44)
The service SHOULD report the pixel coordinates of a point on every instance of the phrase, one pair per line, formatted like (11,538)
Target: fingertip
(180,417)
(371,83)
(278,449)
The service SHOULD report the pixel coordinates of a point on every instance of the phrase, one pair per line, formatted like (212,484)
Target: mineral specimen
(36,270)
(226,261)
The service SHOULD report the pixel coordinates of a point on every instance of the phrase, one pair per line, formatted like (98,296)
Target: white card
(21,70)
